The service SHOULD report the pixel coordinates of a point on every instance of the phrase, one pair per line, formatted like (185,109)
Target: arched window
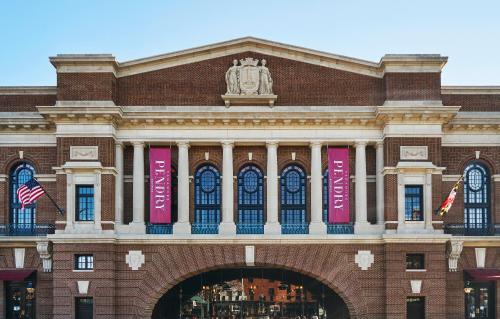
(293,200)
(21,219)
(207,200)
(250,200)
(325,196)
(477,215)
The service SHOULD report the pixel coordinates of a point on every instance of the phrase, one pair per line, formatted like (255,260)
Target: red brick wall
(473,102)
(412,86)
(86,86)
(25,102)
(106,149)
(397,279)
(392,148)
(43,159)
(295,83)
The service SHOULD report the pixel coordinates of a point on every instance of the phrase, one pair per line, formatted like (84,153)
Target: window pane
(84,203)
(414,203)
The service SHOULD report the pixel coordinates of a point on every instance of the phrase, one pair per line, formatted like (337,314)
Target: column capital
(360,143)
(182,143)
(379,144)
(227,143)
(118,144)
(272,143)
(138,143)
(313,144)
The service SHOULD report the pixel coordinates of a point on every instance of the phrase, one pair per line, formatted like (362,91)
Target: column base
(368,229)
(136,228)
(181,229)
(317,228)
(227,229)
(272,228)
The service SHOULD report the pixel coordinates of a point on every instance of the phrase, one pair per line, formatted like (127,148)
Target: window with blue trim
(414,203)
(84,203)
(21,218)
(250,195)
(477,196)
(293,195)
(207,195)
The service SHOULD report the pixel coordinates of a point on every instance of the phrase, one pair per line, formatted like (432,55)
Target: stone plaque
(84,153)
(413,152)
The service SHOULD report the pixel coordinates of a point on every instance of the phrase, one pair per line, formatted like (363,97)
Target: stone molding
(44,249)
(414,152)
(454,250)
(364,259)
(84,152)
(19,254)
(135,259)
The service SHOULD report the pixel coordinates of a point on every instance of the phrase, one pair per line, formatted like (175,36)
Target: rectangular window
(415,261)
(415,308)
(414,203)
(84,203)
(84,308)
(84,262)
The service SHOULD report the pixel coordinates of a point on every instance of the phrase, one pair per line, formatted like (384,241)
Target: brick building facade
(404,132)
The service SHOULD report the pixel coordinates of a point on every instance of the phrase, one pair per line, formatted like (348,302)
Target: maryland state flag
(446,205)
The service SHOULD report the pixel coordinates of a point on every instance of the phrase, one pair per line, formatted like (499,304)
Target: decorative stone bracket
(454,251)
(44,249)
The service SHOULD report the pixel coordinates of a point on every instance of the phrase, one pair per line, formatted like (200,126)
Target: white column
(182,226)
(137,225)
(272,226)
(227,226)
(360,187)
(379,180)
(118,185)
(317,226)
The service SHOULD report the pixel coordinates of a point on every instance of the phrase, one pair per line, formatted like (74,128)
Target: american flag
(29,192)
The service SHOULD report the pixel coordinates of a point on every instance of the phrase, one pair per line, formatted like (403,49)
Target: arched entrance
(250,293)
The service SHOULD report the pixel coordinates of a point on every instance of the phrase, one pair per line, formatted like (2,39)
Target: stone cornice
(474,121)
(470,90)
(31,122)
(28,90)
(428,114)
(389,63)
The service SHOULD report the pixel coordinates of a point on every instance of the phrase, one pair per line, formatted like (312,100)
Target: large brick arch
(167,266)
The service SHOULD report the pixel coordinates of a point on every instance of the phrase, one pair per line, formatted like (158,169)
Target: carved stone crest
(135,259)
(248,83)
(364,259)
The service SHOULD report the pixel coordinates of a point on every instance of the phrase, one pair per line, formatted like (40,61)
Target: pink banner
(338,185)
(160,186)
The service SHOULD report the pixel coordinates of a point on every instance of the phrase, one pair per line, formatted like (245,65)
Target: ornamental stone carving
(454,251)
(44,249)
(413,152)
(83,152)
(135,259)
(248,82)
(364,259)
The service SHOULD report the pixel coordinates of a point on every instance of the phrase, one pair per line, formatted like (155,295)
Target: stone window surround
(88,173)
(415,173)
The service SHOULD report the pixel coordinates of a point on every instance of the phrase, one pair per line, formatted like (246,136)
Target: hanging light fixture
(467,288)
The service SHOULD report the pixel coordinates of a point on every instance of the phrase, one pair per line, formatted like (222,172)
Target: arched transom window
(207,199)
(477,197)
(250,200)
(21,218)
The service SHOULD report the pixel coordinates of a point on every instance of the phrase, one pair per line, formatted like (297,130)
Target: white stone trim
(480,257)
(84,152)
(364,259)
(83,286)
(454,251)
(135,259)
(19,254)
(250,255)
(28,90)
(44,248)
(449,89)
(416,286)
(450,178)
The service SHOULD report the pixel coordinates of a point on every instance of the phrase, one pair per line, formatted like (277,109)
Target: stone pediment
(107,62)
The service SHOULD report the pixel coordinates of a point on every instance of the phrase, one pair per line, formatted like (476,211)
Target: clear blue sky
(468,32)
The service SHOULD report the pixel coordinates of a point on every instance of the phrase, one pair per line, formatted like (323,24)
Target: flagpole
(61,211)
